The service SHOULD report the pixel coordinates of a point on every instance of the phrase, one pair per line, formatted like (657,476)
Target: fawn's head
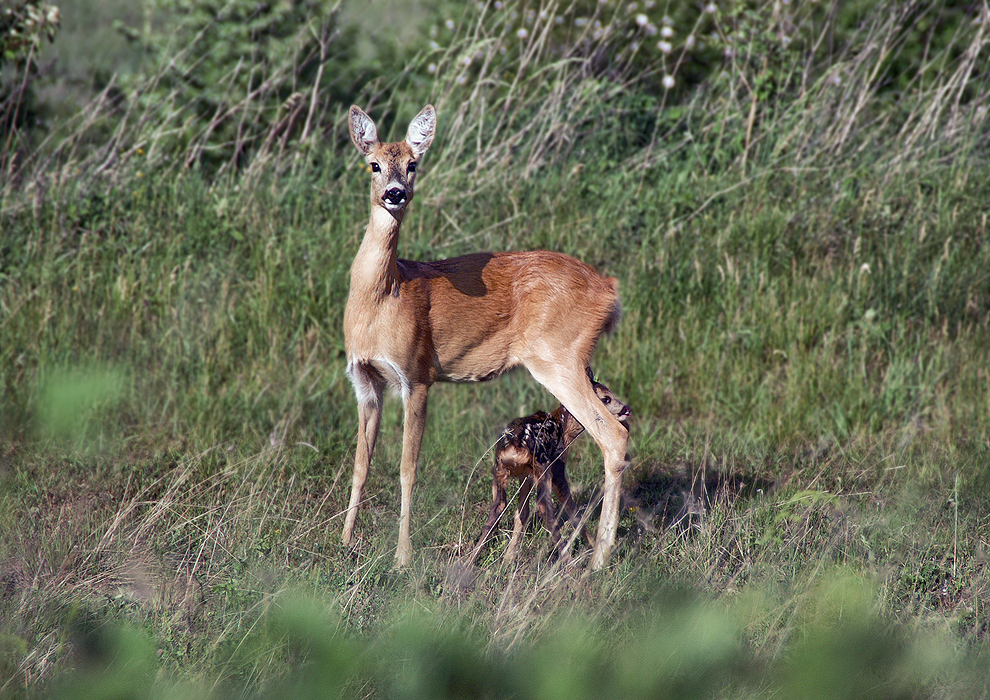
(612,402)
(393,165)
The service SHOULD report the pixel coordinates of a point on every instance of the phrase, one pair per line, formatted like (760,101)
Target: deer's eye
(411,168)
(376,168)
(606,400)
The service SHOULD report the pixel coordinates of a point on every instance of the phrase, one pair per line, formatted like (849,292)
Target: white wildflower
(668,81)
(642,20)
(666,32)
(665,46)
(522,33)
(449,24)
(711,8)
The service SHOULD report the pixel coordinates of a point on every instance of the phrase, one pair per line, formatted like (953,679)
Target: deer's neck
(375,270)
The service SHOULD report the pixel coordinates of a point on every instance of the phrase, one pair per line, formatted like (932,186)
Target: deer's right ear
(364,134)
(421,130)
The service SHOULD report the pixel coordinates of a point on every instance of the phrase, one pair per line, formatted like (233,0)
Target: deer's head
(393,165)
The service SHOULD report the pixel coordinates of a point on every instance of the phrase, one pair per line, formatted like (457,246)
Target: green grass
(805,280)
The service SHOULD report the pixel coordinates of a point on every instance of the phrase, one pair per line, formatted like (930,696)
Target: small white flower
(498,5)
(711,8)
(689,42)
(651,29)
(581,22)
(432,68)
(666,32)
(461,79)
(667,21)
(522,33)
(668,81)
(664,46)
(865,268)
(642,20)
(835,79)
(434,46)
(449,24)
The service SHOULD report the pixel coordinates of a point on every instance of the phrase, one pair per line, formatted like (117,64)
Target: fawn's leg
(558,477)
(499,502)
(544,507)
(522,518)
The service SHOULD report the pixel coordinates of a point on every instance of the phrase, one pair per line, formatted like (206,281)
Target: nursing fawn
(534,451)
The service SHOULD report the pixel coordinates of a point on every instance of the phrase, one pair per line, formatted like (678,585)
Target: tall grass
(799,228)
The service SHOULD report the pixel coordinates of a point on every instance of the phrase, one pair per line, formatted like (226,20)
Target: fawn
(410,324)
(534,451)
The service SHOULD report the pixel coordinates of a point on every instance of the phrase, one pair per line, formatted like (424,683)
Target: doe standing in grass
(410,324)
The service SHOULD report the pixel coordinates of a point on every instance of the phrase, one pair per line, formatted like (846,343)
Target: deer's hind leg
(571,386)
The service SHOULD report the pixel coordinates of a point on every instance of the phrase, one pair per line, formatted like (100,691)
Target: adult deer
(467,319)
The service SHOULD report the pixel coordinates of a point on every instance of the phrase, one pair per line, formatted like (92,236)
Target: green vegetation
(794,199)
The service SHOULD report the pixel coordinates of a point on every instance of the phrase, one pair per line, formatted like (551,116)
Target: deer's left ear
(421,130)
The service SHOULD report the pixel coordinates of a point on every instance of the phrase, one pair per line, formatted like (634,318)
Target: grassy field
(801,241)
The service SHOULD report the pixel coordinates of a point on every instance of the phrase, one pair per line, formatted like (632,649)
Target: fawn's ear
(587,370)
(421,130)
(364,134)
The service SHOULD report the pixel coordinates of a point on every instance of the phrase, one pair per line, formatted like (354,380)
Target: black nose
(625,412)
(395,195)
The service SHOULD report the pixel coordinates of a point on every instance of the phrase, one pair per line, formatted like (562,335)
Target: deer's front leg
(368,386)
(412,439)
